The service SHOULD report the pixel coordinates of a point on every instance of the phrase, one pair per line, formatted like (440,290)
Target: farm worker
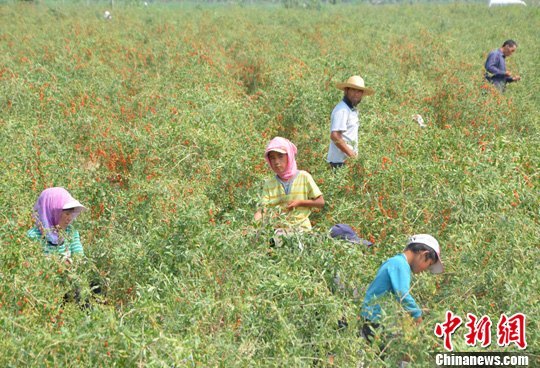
(394,277)
(54,212)
(496,72)
(345,122)
(291,192)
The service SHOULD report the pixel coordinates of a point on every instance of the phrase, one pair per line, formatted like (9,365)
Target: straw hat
(355,82)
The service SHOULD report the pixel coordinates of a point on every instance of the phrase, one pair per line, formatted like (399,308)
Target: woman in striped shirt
(54,212)
(291,191)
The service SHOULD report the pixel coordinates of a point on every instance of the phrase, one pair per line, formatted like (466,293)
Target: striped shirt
(72,240)
(302,188)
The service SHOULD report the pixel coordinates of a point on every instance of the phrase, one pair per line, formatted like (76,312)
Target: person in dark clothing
(495,66)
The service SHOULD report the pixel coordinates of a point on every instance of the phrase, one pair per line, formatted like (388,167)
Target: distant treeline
(287,3)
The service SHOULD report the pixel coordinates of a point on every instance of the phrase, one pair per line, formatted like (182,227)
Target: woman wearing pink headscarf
(293,192)
(54,211)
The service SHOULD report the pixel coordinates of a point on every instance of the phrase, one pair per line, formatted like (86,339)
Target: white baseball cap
(280,150)
(74,204)
(431,242)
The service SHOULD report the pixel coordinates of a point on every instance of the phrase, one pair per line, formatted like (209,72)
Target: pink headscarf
(48,210)
(286,145)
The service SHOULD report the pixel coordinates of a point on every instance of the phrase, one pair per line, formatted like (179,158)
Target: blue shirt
(496,65)
(394,276)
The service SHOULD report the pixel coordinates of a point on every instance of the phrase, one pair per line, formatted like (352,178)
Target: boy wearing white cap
(394,276)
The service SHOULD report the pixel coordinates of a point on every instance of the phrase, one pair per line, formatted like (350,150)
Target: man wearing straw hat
(344,122)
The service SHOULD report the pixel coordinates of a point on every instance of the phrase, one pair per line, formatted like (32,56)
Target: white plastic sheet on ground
(506,2)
